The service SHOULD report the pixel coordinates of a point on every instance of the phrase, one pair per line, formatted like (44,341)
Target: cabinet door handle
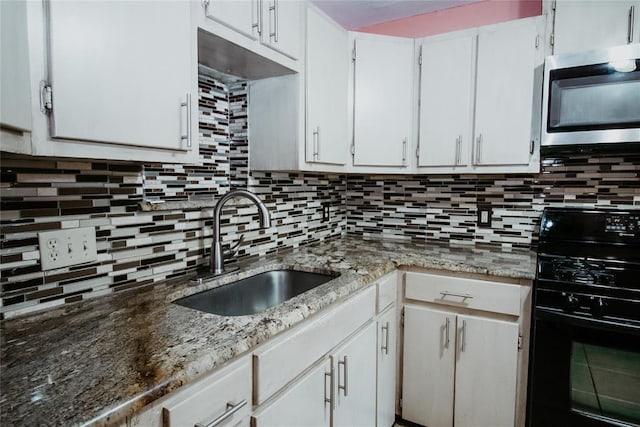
(274,8)
(256,24)
(385,347)
(185,120)
(463,336)
(446,332)
(404,152)
(345,367)
(458,144)
(232,408)
(478,149)
(316,143)
(632,13)
(332,384)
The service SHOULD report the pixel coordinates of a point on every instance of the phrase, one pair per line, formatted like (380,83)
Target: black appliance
(585,343)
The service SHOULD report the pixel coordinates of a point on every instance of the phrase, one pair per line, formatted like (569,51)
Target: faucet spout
(217,255)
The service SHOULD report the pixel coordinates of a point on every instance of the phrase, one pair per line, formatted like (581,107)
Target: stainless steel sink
(256,293)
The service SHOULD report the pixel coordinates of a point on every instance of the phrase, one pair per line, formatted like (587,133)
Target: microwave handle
(632,13)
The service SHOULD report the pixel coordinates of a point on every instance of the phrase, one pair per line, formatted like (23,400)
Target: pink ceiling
(355,14)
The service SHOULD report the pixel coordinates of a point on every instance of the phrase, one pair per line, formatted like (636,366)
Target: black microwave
(592,97)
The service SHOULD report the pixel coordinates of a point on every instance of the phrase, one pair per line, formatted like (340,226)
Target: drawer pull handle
(345,387)
(453,294)
(232,408)
(385,347)
(463,336)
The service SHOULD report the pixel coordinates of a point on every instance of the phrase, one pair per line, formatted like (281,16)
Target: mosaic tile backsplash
(137,249)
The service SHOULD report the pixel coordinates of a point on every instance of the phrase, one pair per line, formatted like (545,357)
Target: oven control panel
(625,224)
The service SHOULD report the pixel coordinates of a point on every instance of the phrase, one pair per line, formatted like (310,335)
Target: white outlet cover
(71,246)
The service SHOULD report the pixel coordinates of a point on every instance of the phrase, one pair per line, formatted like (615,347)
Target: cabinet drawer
(387,291)
(206,400)
(281,361)
(462,292)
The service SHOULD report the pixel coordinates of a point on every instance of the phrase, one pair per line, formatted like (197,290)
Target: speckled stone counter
(98,361)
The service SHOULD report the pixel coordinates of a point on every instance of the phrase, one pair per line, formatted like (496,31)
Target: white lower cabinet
(475,356)
(355,383)
(306,403)
(462,365)
(387,360)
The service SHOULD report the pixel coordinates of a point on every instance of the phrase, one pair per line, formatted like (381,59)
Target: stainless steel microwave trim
(617,53)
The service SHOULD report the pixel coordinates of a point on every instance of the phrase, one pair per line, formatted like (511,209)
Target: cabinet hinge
(205,4)
(553,5)
(519,341)
(353,53)
(420,57)
(537,41)
(353,149)
(532,145)
(552,39)
(418,152)
(402,317)
(46,97)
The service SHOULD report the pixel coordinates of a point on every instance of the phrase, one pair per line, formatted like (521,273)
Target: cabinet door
(486,372)
(327,80)
(429,366)
(504,93)
(355,383)
(302,404)
(387,339)
(383,82)
(586,25)
(15,102)
(446,101)
(124,79)
(240,15)
(281,28)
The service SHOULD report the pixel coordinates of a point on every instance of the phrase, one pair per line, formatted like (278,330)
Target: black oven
(585,350)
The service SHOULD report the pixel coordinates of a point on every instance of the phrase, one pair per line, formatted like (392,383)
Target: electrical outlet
(326,212)
(62,248)
(484,215)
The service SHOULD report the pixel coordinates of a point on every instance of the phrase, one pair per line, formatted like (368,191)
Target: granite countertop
(101,360)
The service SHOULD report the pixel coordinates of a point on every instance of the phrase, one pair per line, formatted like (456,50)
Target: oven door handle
(558,316)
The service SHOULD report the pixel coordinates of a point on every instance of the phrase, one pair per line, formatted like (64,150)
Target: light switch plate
(62,248)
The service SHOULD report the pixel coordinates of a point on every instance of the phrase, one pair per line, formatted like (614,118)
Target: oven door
(584,371)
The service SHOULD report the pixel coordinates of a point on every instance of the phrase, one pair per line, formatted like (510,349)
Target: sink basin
(256,293)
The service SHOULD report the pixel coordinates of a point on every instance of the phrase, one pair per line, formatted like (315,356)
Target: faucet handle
(228,251)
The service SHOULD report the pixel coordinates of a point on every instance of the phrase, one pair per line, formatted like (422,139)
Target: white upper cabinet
(327,71)
(480,93)
(15,107)
(121,72)
(586,25)
(108,80)
(507,60)
(240,15)
(382,104)
(275,23)
(446,101)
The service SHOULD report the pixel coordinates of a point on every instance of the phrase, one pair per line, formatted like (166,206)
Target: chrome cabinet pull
(345,367)
(232,408)
(274,8)
(385,347)
(453,294)
(185,120)
(257,25)
(463,335)
(458,144)
(632,13)
(404,152)
(446,331)
(478,149)
(316,143)
(331,376)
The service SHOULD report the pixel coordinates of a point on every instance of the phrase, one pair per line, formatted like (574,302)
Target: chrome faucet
(218,253)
